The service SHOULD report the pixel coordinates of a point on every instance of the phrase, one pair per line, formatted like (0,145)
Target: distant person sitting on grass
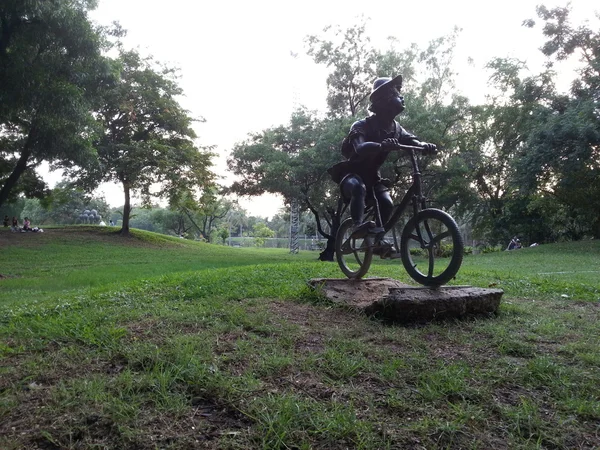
(15,224)
(514,244)
(27,227)
(6,220)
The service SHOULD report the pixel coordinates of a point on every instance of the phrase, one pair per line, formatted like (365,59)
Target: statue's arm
(406,138)
(364,148)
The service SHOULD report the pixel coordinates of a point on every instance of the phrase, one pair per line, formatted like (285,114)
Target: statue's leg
(386,205)
(354,190)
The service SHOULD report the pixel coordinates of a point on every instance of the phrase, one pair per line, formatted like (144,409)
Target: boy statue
(366,148)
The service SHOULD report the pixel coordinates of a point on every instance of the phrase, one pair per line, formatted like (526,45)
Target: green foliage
(292,160)
(352,60)
(563,154)
(147,139)
(63,206)
(223,234)
(51,74)
(261,232)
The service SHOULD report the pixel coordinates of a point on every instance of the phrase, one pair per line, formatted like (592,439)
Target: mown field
(154,342)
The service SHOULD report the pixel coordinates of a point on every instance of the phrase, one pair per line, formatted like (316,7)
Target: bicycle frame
(427,228)
(414,195)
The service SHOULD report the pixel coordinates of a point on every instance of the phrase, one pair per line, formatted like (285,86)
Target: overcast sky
(236,68)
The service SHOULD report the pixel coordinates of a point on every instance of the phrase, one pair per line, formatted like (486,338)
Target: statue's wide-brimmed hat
(381,86)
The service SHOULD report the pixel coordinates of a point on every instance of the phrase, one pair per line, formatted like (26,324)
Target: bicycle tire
(429,221)
(347,248)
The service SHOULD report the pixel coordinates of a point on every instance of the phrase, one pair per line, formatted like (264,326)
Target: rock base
(391,300)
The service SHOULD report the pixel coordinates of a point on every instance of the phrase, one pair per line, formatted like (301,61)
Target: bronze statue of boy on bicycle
(431,245)
(366,148)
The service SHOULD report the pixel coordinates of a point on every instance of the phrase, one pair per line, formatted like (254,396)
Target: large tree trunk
(13,178)
(126,209)
(329,253)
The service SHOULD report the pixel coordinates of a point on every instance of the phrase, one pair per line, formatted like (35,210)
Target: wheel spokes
(353,254)
(431,262)
(427,240)
(431,247)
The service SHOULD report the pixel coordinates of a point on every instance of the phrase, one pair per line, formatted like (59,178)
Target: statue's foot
(361,230)
(384,249)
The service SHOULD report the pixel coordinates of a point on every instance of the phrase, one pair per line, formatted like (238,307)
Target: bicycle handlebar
(407,147)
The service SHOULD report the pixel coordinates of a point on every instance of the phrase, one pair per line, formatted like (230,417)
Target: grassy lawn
(153,342)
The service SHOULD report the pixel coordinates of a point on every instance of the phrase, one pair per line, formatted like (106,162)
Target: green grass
(92,257)
(152,342)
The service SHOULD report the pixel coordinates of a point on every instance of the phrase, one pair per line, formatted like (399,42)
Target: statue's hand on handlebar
(429,149)
(389,144)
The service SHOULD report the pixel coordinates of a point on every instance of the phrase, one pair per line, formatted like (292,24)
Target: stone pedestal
(392,300)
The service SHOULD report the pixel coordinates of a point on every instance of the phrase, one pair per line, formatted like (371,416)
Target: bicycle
(430,239)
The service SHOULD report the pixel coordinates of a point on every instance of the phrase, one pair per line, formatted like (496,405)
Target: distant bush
(417,252)
(491,249)
(444,252)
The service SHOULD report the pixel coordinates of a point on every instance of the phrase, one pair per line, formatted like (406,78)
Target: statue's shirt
(367,167)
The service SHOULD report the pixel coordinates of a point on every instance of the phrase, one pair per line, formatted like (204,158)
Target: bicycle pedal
(376,230)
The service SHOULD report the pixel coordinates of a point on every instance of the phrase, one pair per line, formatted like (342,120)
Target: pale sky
(236,68)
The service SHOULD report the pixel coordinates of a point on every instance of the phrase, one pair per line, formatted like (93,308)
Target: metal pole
(294,227)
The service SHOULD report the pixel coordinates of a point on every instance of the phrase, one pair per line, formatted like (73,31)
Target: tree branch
(317,218)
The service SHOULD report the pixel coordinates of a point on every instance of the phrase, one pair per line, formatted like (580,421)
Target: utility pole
(294,227)
(294,207)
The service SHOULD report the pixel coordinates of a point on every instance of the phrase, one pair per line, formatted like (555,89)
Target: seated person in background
(6,219)
(514,244)
(15,224)
(26,224)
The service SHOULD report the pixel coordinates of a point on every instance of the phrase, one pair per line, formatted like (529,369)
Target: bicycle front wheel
(353,255)
(431,247)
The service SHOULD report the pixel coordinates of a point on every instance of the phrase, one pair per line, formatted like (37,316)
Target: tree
(237,217)
(292,160)
(51,72)
(223,233)
(261,232)
(212,208)
(280,224)
(352,59)
(147,141)
(13,209)
(66,203)
(562,160)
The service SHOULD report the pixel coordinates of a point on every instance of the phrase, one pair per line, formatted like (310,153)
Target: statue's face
(395,101)
(392,104)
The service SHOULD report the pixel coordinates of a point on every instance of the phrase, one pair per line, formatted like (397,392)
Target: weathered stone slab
(358,294)
(392,300)
(422,304)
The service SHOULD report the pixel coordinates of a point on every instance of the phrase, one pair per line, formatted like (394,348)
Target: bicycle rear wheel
(431,247)
(353,255)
